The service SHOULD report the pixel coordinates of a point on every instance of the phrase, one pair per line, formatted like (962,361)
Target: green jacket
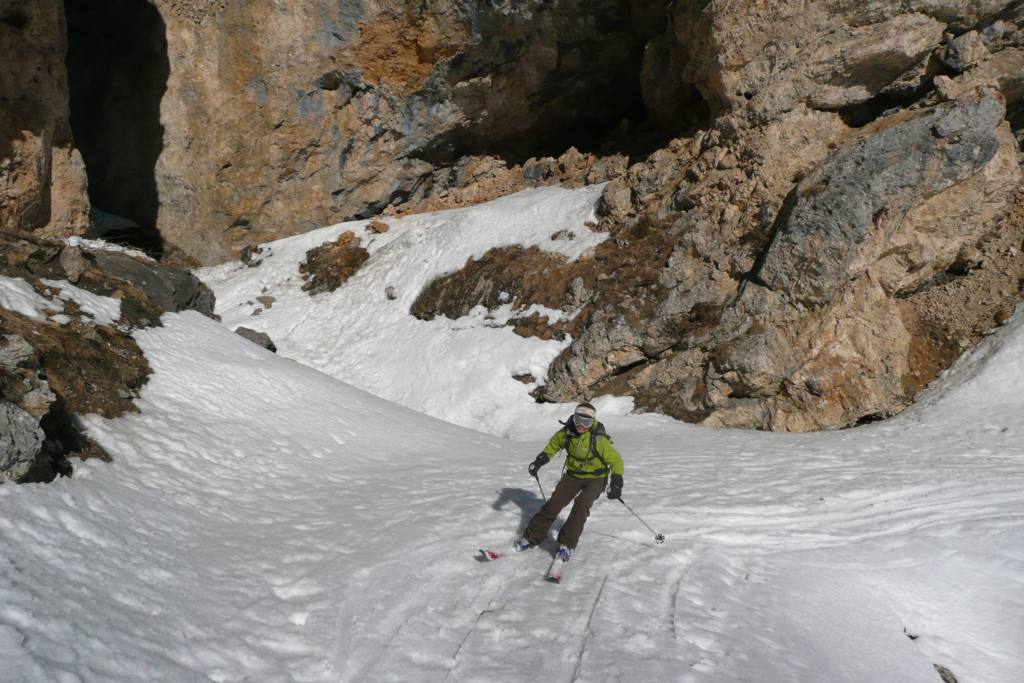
(581,461)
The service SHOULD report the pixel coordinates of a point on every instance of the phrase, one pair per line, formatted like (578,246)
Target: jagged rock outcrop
(794,272)
(847,213)
(21,441)
(760,61)
(815,336)
(67,313)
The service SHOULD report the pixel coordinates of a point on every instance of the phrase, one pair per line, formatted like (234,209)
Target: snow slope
(264,521)
(460,371)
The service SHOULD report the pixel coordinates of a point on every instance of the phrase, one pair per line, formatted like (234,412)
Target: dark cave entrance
(590,95)
(117,74)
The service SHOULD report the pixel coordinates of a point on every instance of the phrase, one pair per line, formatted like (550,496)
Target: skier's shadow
(528,502)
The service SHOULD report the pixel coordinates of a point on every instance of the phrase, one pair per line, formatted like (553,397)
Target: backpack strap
(597,433)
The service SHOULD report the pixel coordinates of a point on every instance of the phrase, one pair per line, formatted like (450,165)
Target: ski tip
(490,555)
(553,579)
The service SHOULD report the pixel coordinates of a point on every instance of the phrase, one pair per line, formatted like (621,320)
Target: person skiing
(590,459)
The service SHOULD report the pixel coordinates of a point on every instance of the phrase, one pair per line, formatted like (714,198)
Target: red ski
(490,555)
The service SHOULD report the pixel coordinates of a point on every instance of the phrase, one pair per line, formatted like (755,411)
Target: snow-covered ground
(459,371)
(266,521)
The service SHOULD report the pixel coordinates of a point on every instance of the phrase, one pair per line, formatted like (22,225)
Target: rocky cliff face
(42,177)
(839,235)
(280,118)
(811,201)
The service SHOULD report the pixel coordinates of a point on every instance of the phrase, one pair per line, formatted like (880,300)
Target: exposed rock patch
(622,270)
(259,338)
(328,266)
(402,51)
(21,441)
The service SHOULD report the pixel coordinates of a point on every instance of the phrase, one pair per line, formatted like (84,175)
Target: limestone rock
(375,98)
(21,442)
(832,338)
(965,51)
(841,217)
(169,289)
(617,199)
(760,61)
(766,60)
(73,262)
(42,180)
(1004,70)
(259,338)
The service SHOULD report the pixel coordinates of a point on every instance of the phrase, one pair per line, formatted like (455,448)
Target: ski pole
(543,497)
(658,538)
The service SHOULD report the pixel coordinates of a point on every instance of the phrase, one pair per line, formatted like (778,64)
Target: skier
(590,458)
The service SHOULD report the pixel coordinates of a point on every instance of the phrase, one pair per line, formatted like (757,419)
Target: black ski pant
(584,492)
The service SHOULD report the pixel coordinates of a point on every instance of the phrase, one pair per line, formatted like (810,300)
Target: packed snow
(264,520)
(461,370)
(103,245)
(103,310)
(19,296)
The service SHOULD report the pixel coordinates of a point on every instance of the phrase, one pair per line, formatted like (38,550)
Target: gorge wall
(815,206)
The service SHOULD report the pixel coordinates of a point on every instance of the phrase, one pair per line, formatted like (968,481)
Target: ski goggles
(582,421)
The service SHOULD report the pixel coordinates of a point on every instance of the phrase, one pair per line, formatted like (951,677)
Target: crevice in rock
(616,382)
(117,73)
(893,100)
(863,113)
(760,241)
(1015,115)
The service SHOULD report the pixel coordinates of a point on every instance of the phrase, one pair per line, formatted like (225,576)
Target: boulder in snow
(21,442)
(259,338)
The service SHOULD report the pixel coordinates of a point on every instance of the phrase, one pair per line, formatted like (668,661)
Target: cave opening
(589,94)
(117,73)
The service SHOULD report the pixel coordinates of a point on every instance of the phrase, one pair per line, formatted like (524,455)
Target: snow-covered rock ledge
(67,314)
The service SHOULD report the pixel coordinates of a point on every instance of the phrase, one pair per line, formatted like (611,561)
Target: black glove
(537,463)
(615,490)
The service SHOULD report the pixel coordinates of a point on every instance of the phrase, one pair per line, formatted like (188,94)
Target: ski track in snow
(262,521)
